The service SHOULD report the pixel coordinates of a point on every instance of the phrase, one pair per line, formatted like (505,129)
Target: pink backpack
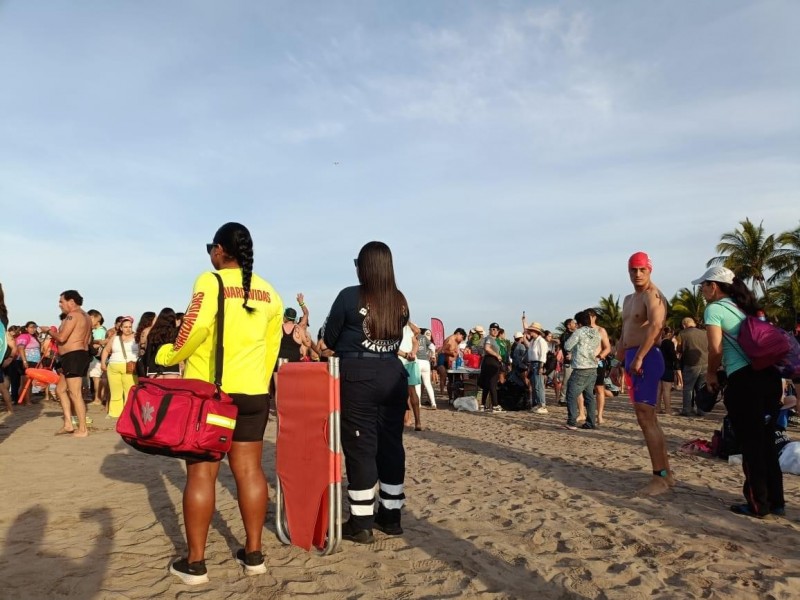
(765,345)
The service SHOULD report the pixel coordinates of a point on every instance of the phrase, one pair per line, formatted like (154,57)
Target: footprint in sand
(601,543)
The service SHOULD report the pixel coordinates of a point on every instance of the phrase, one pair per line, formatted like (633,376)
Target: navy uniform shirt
(347,327)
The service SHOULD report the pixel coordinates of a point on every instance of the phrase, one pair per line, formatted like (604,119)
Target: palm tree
(783,301)
(609,316)
(749,254)
(789,258)
(686,303)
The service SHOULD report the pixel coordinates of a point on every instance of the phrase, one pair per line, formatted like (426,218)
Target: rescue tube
(45,376)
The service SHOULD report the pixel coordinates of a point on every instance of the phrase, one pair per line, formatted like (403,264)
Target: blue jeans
(537,383)
(581,382)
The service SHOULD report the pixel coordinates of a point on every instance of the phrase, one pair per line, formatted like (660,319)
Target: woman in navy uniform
(364,329)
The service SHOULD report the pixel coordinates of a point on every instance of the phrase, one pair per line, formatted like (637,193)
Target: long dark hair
(741,295)
(164,330)
(388,311)
(237,243)
(3,309)
(145,321)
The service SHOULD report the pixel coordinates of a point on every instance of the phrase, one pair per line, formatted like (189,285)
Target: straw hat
(535,327)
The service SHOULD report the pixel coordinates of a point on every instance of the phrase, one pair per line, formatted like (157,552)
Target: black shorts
(601,376)
(251,422)
(75,363)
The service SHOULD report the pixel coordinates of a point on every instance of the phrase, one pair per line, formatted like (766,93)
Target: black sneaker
(190,573)
(253,562)
(359,536)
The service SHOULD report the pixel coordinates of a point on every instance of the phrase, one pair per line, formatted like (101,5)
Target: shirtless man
(643,315)
(73,339)
(602,353)
(450,352)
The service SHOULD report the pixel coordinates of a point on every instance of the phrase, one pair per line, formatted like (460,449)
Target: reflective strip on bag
(220,421)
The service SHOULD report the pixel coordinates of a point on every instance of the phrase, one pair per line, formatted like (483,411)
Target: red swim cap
(640,259)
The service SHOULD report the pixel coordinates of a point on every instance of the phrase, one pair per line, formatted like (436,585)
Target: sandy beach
(499,506)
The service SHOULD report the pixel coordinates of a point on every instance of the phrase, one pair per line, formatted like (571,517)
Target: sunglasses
(355,262)
(210,247)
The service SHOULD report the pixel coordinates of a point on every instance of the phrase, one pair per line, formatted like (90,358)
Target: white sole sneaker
(188,578)
(252,569)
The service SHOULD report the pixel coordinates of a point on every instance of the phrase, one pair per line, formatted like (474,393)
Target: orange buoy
(45,376)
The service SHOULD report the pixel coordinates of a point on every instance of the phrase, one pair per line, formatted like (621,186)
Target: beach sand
(499,506)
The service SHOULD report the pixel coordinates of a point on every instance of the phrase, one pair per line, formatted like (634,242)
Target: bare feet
(658,485)
(64,431)
(600,419)
(80,434)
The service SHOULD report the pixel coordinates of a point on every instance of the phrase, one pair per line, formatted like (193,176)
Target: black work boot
(388,521)
(353,533)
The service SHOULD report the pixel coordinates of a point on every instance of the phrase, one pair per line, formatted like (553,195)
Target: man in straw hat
(643,316)
(537,354)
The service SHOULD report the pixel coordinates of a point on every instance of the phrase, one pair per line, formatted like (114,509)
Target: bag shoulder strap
(218,362)
(735,345)
(122,345)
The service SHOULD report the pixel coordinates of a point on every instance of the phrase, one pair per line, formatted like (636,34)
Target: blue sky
(512,154)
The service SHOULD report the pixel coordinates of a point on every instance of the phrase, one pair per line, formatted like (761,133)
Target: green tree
(750,253)
(609,316)
(783,301)
(788,261)
(686,303)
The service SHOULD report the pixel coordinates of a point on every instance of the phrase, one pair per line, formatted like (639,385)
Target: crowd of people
(386,361)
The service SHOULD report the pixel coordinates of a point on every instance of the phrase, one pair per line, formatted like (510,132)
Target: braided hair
(237,243)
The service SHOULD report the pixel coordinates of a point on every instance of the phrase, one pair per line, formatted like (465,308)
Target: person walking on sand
(117,353)
(73,338)
(643,316)
(602,356)
(584,345)
(407,352)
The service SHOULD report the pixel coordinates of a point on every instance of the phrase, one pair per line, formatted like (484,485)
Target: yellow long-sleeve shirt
(251,340)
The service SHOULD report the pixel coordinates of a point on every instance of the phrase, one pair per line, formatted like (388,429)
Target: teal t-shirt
(726,315)
(3,342)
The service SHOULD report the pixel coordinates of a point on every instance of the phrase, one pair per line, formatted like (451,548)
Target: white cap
(718,274)
(517,335)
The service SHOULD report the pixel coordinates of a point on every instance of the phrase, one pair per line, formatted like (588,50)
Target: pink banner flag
(437,331)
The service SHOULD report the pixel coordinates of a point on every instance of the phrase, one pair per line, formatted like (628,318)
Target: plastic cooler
(308,456)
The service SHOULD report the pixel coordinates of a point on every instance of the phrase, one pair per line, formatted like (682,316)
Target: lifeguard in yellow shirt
(252,335)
